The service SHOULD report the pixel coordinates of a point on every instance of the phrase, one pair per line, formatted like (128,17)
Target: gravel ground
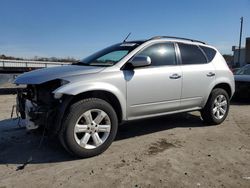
(171,151)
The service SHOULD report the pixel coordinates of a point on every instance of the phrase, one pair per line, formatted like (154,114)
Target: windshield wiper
(98,64)
(102,64)
(81,63)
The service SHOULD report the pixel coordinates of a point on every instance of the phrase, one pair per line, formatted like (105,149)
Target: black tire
(207,112)
(75,111)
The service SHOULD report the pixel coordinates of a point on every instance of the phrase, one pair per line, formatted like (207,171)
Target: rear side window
(210,53)
(161,54)
(191,54)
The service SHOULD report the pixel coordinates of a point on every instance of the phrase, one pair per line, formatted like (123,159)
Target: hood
(242,78)
(47,74)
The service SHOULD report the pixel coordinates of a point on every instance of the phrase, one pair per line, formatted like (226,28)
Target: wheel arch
(107,96)
(68,100)
(224,86)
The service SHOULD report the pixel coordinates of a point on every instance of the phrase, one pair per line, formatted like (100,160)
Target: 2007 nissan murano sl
(84,103)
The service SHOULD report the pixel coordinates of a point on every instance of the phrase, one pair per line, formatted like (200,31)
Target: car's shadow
(17,146)
(156,124)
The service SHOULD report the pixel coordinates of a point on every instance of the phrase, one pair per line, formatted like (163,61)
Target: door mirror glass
(141,61)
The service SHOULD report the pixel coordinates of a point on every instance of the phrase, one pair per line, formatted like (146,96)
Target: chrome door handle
(210,74)
(175,76)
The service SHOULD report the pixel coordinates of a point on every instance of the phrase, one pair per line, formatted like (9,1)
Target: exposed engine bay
(37,105)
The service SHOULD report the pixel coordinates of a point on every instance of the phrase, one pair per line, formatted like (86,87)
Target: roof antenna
(127,37)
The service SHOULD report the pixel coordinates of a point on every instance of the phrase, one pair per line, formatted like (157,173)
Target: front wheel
(217,107)
(89,127)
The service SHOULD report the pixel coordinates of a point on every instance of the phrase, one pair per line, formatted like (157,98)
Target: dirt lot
(171,151)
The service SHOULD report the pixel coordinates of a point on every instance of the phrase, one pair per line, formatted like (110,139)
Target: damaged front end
(38,107)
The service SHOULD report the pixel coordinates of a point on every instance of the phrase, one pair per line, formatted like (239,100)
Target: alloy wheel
(92,128)
(220,107)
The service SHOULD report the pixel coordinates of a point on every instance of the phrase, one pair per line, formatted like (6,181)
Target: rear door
(198,75)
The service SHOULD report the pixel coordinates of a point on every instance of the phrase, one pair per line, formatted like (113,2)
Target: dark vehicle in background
(234,70)
(242,82)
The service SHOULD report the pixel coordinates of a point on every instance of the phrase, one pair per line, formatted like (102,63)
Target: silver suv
(84,103)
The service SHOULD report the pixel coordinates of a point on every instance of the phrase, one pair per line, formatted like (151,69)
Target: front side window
(191,54)
(160,54)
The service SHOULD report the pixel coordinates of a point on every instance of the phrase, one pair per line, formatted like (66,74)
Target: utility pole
(241,25)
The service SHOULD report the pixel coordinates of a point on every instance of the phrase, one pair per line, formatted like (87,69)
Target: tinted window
(209,52)
(244,70)
(191,54)
(161,54)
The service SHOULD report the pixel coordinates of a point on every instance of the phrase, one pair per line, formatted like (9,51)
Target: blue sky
(77,28)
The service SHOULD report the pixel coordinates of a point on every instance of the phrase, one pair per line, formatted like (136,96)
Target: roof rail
(171,37)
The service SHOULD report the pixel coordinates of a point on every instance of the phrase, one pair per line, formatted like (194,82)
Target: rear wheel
(89,127)
(217,107)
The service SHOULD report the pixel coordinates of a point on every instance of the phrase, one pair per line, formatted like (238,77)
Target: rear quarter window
(210,53)
(191,54)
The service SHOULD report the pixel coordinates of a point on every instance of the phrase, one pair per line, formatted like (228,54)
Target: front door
(155,89)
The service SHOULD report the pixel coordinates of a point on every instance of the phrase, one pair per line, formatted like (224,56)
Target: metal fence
(29,64)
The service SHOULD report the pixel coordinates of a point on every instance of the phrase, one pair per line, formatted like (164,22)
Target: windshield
(109,56)
(244,70)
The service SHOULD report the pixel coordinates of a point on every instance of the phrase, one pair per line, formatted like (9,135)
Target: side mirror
(140,61)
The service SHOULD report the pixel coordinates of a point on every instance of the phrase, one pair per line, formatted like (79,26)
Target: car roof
(176,38)
(172,39)
(165,37)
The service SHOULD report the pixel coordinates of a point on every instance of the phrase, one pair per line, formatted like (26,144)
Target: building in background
(242,62)
(247,53)
(244,54)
